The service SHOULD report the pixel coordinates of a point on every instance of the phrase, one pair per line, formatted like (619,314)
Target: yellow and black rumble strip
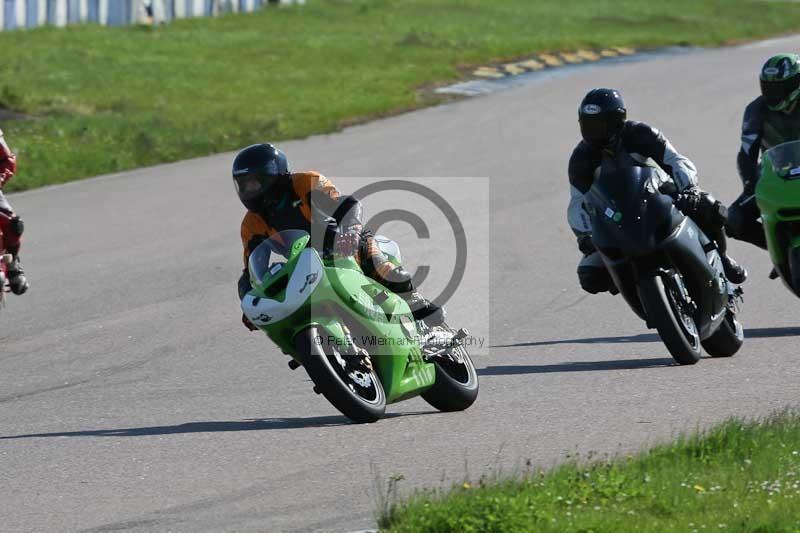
(543,61)
(536,63)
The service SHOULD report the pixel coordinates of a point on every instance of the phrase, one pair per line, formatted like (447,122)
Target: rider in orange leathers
(277,199)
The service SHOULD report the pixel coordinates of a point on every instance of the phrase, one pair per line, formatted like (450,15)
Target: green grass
(736,477)
(109,99)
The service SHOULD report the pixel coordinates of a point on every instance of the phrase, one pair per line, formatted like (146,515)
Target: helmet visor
(595,129)
(777,92)
(250,186)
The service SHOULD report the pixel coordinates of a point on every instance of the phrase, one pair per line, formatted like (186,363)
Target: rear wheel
(728,338)
(456,385)
(351,388)
(668,311)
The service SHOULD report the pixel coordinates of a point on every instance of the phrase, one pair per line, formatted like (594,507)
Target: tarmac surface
(132,399)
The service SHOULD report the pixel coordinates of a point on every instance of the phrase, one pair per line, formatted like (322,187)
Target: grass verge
(97,100)
(739,476)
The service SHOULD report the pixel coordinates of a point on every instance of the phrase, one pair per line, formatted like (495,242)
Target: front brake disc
(361,378)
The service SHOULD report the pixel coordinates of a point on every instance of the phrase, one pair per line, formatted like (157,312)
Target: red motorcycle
(8,166)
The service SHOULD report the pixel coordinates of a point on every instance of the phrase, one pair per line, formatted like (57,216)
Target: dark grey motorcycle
(665,267)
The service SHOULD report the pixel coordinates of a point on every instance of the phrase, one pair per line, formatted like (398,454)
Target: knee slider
(594,280)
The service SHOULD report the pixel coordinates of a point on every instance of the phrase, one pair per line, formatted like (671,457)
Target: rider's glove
(700,205)
(348,241)
(585,244)
(8,161)
(249,325)
(688,201)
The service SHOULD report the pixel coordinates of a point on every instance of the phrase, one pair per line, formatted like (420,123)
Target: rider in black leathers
(769,120)
(607,133)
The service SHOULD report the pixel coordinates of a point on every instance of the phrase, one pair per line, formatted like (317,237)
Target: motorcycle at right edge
(778,198)
(666,268)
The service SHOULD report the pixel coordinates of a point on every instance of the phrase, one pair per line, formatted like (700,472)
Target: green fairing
(345,295)
(778,198)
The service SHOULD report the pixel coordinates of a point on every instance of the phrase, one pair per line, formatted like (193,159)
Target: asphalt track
(131,399)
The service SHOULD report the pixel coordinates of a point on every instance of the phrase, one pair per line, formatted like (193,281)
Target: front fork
(338,334)
(673,282)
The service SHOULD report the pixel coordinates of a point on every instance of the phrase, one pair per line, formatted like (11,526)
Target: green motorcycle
(357,341)
(778,198)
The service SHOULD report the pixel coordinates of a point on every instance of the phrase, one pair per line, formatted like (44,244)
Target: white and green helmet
(780,81)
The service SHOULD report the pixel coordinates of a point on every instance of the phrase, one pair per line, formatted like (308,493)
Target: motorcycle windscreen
(629,216)
(785,160)
(269,257)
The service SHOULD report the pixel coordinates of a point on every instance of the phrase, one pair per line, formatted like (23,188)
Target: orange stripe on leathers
(303,183)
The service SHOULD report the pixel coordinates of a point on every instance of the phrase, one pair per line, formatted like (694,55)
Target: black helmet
(256,171)
(780,81)
(602,116)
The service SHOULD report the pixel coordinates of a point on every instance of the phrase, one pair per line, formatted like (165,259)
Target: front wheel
(728,338)
(355,391)
(667,310)
(456,385)
(794,269)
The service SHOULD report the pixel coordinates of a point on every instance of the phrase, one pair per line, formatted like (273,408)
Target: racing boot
(16,276)
(398,280)
(735,273)
(424,309)
(712,217)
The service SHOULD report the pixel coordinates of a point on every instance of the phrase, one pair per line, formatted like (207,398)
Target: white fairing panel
(304,280)
(389,247)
